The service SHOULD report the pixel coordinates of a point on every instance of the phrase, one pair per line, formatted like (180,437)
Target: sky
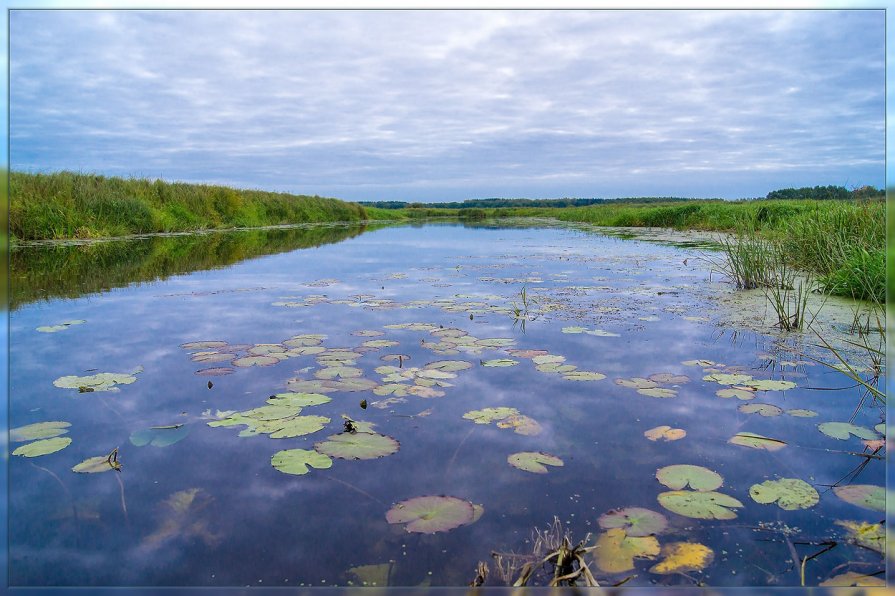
(453,105)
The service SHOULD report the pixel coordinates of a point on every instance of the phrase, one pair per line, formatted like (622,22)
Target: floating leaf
(680,557)
(391,389)
(863,495)
(789,493)
(527,353)
(669,378)
(395,357)
(425,392)
(385,403)
(357,445)
(97,382)
(489,415)
(60,326)
(299,426)
(217,371)
(430,514)
(500,362)
(379,343)
(679,476)
(728,379)
(367,333)
(330,386)
(521,424)
(637,383)
(872,536)
(43,447)
(203,345)
(214,357)
(548,359)
(635,521)
(555,367)
(756,441)
(657,392)
(880,428)
(737,392)
(497,342)
(160,436)
(765,410)
(854,579)
(533,461)
(583,375)
(255,361)
(299,399)
(338,372)
(702,363)
(615,551)
(699,505)
(38,430)
(666,433)
(372,575)
(574,329)
(448,365)
(94,465)
(297,461)
(842,430)
(802,413)
(770,385)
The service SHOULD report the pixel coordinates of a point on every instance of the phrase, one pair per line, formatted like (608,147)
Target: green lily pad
(255,361)
(160,436)
(702,363)
(574,329)
(789,493)
(665,433)
(842,430)
(299,461)
(330,386)
(555,367)
(669,378)
(94,465)
(736,392)
(500,362)
(38,430)
(880,428)
(496,342)
(872,536)
(548,359)
(358,445)
(338,372)
(388,402)
(766,410)
(770,385)
(401,358)
(802,413)
(533,461)
(218,371)
(583,375)
(299,426)
(213,357)
(424,391)
(272,412)
(489,415)
(863,495)
(97,382)
(298,399)
(521,424)
(431,514)
(379,343)
(396,389)
(728,379)
(679,476)
(43,447)
(636,383)
(680,557)
(367,333)
(265,349)
(615,551)
(635,521)
(756,441)
(660,392)
(203,345)
(526,353)
(448,365)
(60,326)
(854,579)
(700,505)
(305,351)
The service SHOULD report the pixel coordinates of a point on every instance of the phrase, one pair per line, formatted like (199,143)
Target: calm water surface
(209,509)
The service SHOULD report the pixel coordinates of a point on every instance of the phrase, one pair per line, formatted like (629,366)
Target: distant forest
(820,193)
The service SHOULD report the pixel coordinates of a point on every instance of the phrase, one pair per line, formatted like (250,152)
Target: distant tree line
(827,193)
(492,203)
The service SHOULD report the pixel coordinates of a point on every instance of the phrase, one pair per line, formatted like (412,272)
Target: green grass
(72,205)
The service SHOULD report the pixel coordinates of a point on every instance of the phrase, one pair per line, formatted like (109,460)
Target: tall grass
(73,205)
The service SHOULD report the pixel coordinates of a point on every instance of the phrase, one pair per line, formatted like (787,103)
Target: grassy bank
(70,205)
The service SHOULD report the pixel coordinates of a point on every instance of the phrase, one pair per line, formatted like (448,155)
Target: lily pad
(583,375)
(756,441)
(298,426)
(872,536)
(330,386)
(43,447)
(556,367)
(298,461)
(766,410)
(657,392)
(94,465)
(548,359)
(358,445)
(802,413)
(397,389)
(702,363)
(665,433)
(203,345)
(38,430)
(367,333)
(431,514)
(636,383)
(217,371)
(615,551)
(669,378)
(679,476)
(521,424)
(700,505)
(526,353)
(160,436)
(635,521)
(680,557)
(500,362)
(60,326)
(305,340)
(533,461)
(770,385)
(299,399)
(842,430)
(255,361)
(880,428)
(97,382)
(338,372)
(867,496)
(379,343)
(728,379)
(489,415)
(854,579)
(739,393)
(789,493)
(448,365)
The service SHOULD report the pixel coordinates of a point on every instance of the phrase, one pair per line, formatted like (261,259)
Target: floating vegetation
(372,575)
(788,493)
(660,392)
(533,461)
(635,521)
(60,326)
(181,519)
(160,436)
(680,557)
(665,433)
(680,476)
(521,424)
(99,382)
(43,447)
(499,362)
(300,400)
(842,431)
(330,386)
(700,505)
(99,464)
(299,461)
(766,410)
(489,415)
(741,393)
(203,345)
(583,375)
(863,495)
(279,419)
(379,343)
(728,378)
(669,378)
(637,383)
(247,361)
(218,371)
(431,514)
(357,445)
(615,551)
(853,579)
(38,430)
(872,536)
(756,441)
(597,332)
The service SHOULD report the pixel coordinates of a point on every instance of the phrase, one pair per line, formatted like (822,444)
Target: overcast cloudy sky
(426,105)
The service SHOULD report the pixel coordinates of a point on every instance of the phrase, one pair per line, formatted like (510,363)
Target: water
(210,510)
